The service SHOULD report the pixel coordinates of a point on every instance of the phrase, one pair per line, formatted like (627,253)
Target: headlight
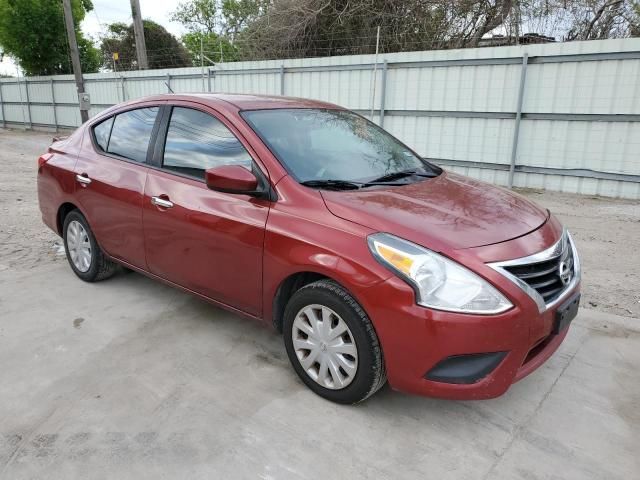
(439,283)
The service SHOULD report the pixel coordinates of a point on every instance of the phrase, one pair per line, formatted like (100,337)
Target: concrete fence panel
(562,116)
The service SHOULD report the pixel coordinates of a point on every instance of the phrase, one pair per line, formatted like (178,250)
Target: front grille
(550,276)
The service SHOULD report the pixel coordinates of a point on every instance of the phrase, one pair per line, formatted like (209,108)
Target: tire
(99,266)
(347,385)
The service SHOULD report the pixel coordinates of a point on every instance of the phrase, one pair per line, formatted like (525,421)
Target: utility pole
(138,30)
(75,60)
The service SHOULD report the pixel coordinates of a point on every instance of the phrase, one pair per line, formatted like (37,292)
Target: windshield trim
(428,165)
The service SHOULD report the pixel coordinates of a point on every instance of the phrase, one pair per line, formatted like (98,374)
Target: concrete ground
(129,378)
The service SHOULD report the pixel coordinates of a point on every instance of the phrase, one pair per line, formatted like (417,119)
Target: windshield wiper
(332,184)
(403,174)
(344,184)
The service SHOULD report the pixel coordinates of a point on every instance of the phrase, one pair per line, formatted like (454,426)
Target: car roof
(245,101)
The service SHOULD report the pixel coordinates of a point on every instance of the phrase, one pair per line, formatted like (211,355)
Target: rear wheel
(83,252)
(331,343)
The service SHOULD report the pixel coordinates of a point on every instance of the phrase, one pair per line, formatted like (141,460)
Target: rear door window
(131,133)
(197,141)
(102,132)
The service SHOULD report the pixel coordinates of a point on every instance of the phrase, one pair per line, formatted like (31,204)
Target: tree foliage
(198,15)
(223,17)
(163,49)
(591,19)
(33,33)
(635,28)
(319,28)
(206,48)
(291,28)
(238,14)
(216,23)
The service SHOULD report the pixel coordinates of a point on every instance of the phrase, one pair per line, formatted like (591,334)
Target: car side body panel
(208,242)
(296,243)
(56,180)
(112,204)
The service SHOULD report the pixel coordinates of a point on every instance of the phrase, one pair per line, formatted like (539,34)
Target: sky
(110,11)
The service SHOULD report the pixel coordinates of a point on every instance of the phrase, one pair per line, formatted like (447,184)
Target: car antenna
(169,87)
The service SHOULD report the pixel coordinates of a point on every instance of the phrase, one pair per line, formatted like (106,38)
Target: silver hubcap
(79,246)
(324,346)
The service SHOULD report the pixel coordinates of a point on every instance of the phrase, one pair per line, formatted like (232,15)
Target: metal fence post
(209,80)
(516,129)
(4,119)
(383,93)
(24,119)
(213,81)
(26,88)
(124,97)
(53,104)
(281,79)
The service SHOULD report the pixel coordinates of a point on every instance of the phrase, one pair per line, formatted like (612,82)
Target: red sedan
(375,264)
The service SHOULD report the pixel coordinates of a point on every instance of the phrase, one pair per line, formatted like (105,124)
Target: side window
(196,141)
(101,133)
(131,133)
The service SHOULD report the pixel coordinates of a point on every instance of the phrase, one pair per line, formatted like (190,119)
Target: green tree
(217,23)
(163,49)
(198,15)
(238,14)
(227,17)
(33,33)
(216,48)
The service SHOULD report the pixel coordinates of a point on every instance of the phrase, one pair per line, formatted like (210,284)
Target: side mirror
(231,179)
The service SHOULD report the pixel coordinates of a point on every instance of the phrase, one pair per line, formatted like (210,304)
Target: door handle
(161,202)
(83,179)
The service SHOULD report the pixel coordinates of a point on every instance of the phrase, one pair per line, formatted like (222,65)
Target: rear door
(209,242)
(110,173)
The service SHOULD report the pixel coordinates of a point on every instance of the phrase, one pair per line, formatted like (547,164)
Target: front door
(110,173)
(206,241)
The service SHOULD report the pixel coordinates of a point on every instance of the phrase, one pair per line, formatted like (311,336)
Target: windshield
(319,144)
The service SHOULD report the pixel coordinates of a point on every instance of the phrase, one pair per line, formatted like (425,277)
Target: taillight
(44,158)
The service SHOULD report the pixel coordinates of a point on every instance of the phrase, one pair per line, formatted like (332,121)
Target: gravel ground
(606,230)
(25,242)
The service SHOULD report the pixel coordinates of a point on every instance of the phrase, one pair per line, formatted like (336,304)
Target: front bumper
(416,339)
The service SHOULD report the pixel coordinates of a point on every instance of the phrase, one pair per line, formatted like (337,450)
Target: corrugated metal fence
(558,116)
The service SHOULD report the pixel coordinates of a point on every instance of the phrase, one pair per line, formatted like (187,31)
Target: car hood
(447,212)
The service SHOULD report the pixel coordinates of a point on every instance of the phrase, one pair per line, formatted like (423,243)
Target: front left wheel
(332,344)
(85,257)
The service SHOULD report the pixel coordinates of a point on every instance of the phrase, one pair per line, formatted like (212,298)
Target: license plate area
(566,313)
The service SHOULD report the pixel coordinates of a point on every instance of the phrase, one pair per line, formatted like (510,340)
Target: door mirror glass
(231,179)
